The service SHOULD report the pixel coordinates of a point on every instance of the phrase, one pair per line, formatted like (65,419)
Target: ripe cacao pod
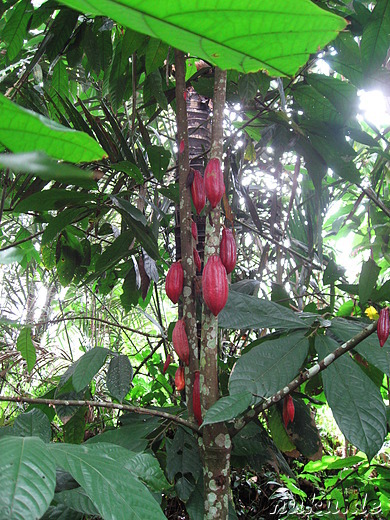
(167,363)
(215,285)
(198,192)
(197,260)
(174,282)
(383,327)
(288,410)
(180,342)
(180,379)
(196,399)
(194,230)
(213,182)
(228,250)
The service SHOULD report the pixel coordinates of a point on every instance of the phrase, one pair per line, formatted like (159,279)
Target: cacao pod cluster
(383,327)
(212,186)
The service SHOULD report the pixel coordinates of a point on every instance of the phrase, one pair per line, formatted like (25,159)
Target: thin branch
(304,376)
(101,404)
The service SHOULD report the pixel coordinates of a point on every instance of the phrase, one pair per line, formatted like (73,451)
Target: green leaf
(131,210)
(24,131)
(130,169)
(228,408)
(61,221)
(59,81)
(108,484)
(159,160)
(367,281)
(15,29)
(34,423)
(356,402)
(156,53)
(249,312)
(27,478)
(278,37)
(39,164)
(25,346)
(270,366)
(53,198)
(130,294)
(375,39)
(332,272)
(115,252)
(88,366)
(119,377)
(278,431)
(303,430)
(11,255)
(66,265)
(76,500)
(74,428)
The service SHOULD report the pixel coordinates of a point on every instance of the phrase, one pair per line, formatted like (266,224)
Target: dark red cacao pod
(194,230)
(228,250)
(215,285)
(196,399)
(197,260)
(174,282)
(167,363)
(180,342)
(288,410)
(383,327)
(213,182)
(180,379)
(198,192)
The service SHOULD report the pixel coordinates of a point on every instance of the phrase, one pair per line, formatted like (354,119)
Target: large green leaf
(249,312)
(367,281)
(27,478)
(228,408)
(15,29)
(114,491)
(25,346)
(88,366)
(375,38)
(76,500)
(22,130)
(55,198)
(119,376)
(356,402)
(46,168)
(270,366)
(274,35)
(34,423)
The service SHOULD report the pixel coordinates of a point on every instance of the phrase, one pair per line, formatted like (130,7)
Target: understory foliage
(91,425)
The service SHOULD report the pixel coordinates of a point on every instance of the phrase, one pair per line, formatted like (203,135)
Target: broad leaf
(275,36)
(25,346)
(159,160)
(367,281)
(268,367)
(375,39)
(46,168)
(119,377)
(356,402)
(96,472)
(228,408)
(24,131)
(249,312)
(15,29)
(77,500)
(88,366)
(32,424)
(25,464)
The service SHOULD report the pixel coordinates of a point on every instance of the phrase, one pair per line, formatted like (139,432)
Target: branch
(304,376)
(101,404)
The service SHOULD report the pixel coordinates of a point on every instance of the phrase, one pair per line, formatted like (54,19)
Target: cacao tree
(175,182)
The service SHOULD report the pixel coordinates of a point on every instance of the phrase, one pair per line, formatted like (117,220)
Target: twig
(101,404)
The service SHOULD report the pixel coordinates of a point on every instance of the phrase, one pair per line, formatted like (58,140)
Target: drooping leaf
(74,428)
(267,368)
(119,376)
(275,36)
(11,255)
(367,281)
(24,131)
(159,160)
(95,471)
(356,402)
(375,39)
(15,29)
(34,423)
(88,366)
(25,464)
(249,312)
(228,408)
(25,346)
(53,198)
(156,53)
(76,500)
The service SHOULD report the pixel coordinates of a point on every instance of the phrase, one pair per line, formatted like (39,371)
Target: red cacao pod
(288,410)
(181,146)
(383,327)
(174,282)
(179,379)
(198,192)
(167,363)
(180,342)
(194,230)
(196,398)
(213,182)
(215,285)
(197,260)
(228,250)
